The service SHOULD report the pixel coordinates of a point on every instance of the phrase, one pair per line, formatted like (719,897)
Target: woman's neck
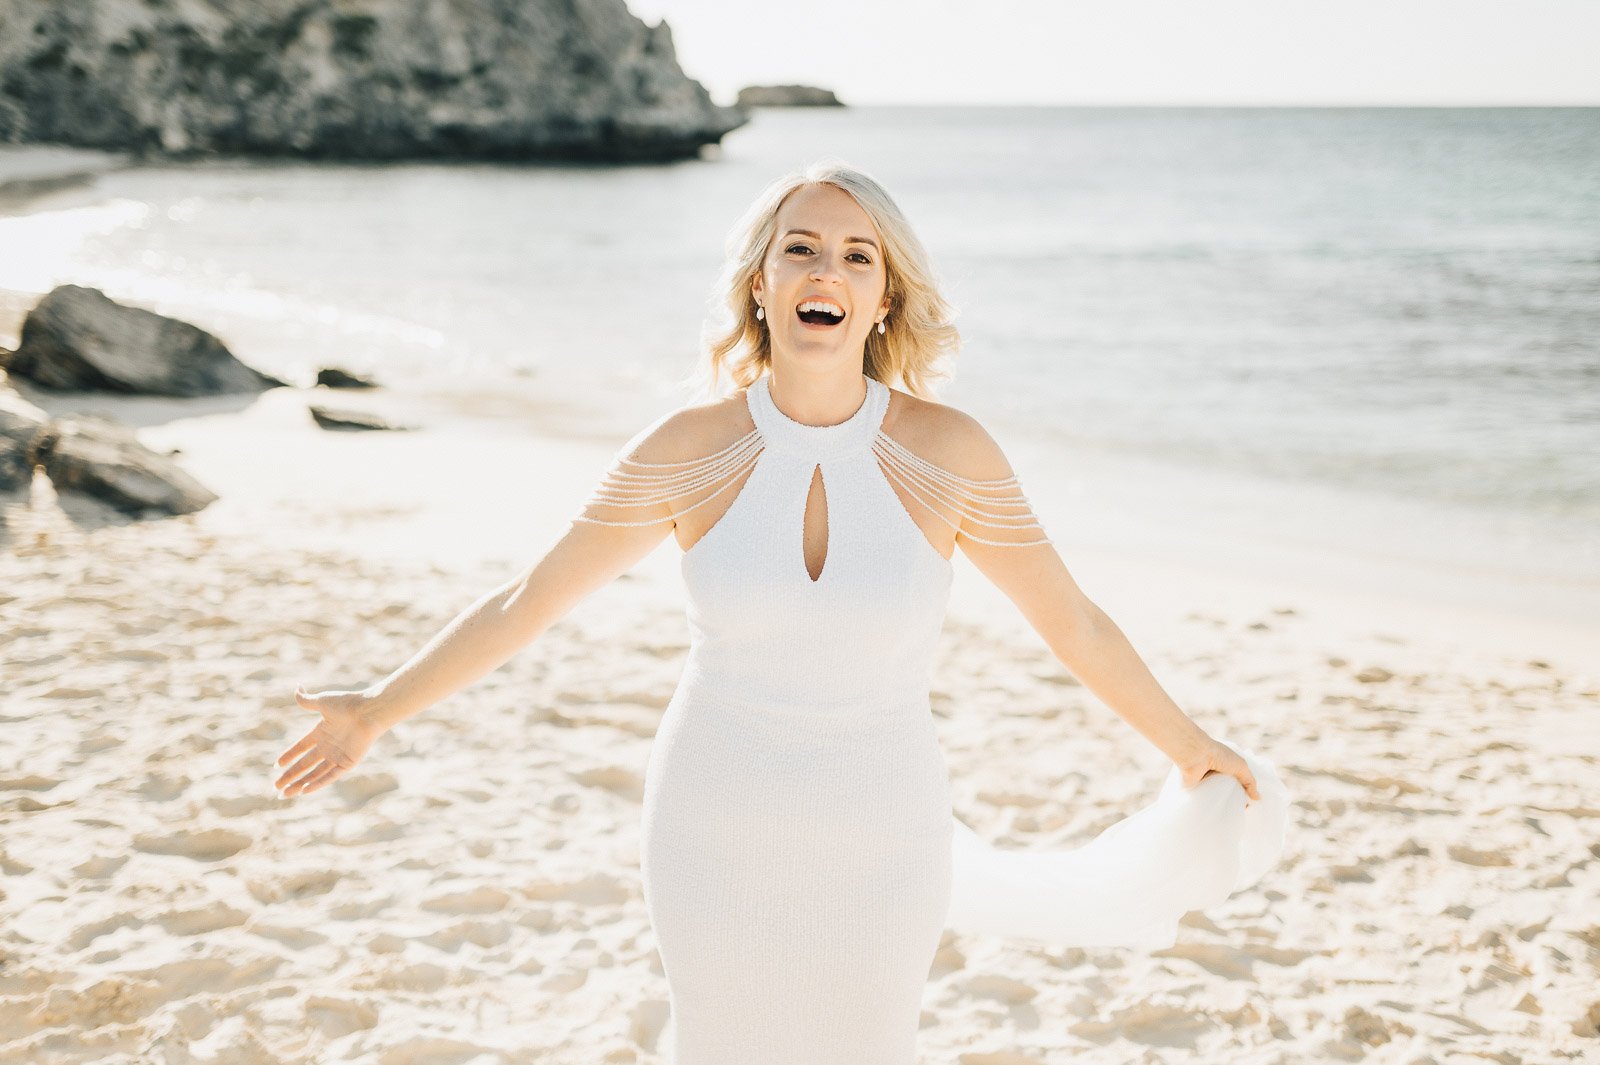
(819,400)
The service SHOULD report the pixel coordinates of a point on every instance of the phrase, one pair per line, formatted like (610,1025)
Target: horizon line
(1257,105)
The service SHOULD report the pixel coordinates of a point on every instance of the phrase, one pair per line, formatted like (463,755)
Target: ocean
(1376,327)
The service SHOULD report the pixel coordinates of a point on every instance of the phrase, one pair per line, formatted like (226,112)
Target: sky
(1210,52)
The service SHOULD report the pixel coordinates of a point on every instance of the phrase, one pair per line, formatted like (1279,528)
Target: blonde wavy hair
(918,332)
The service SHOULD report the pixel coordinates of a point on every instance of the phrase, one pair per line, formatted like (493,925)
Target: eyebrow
(848,240)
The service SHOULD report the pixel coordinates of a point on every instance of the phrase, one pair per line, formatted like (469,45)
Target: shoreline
(31,171)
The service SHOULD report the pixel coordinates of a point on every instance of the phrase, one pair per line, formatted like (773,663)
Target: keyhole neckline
(783,433)
(816,480)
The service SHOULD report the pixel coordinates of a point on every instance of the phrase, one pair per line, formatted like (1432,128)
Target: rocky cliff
(351,79)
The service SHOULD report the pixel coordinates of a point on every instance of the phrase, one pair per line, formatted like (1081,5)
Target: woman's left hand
(1218,757)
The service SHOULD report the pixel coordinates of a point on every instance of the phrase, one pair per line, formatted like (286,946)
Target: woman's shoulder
(692,431)
(944,435)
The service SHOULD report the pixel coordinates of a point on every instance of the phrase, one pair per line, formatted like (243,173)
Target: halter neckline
(783,432)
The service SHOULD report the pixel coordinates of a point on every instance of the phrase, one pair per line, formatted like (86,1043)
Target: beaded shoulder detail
(999,504)
(629,487)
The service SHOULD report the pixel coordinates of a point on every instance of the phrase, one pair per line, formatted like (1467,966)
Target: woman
(799,856)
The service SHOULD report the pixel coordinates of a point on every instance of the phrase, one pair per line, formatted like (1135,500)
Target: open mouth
(819,315)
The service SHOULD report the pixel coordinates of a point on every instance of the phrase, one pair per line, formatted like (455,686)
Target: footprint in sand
(100,866)
(31,782)
(437,1050)
(213,975)
(242,805)
(483,899)
(1151,1021)
(998,1057)
(338,1017)
(647,1021)
(98,742)
(1363,1026)
(295,885)
(203,845)
(564,980)
(947,960)
(596,889)
(478,933)
(112,1000)
(386,943)
(297,938)
(160,787)
(203,919)
(360,788)
(1002,988)
(1474,856)
(85,934)
(417,976)
(360,909)
(616,779)
(1230,963)
(381,831)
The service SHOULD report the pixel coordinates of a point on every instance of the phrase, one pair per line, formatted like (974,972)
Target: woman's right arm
(501,622)
(631,511)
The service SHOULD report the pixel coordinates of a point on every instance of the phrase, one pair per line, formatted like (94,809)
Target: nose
(823,268)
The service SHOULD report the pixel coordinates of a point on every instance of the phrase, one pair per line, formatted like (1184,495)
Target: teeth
(818,305)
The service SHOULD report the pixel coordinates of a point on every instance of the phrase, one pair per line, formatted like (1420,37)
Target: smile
(819,314)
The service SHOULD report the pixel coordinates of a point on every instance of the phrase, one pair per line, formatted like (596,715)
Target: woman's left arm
(1020,561)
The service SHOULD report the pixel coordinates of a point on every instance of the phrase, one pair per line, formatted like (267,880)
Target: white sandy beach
(470,893)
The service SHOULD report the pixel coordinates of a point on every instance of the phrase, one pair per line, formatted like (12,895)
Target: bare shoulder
(691,432)
(946,436)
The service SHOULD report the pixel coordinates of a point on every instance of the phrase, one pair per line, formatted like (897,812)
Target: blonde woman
(799,855)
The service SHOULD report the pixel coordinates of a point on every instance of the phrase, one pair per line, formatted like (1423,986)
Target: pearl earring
(880,326)
(761,312)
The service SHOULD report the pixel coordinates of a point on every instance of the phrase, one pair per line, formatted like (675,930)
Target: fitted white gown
(800,857)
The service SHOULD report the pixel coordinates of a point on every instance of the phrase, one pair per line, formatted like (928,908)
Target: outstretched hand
(333,747)
(1218,757)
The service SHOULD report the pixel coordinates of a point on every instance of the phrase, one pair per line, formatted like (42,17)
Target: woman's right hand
(333,747)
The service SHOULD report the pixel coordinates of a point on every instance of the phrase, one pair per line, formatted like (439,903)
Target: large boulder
(78,339)
(101,458)
(352,79)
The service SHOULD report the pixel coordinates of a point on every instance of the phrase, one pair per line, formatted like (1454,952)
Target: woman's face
(824,248)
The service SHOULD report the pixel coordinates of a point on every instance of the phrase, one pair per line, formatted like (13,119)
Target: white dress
(800,857)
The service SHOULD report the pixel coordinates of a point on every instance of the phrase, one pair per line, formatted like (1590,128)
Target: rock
(100,458)
(344,418)
(78,339)
(787,96)
(16,471)
(353,79)
(21,425)
(333,377)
